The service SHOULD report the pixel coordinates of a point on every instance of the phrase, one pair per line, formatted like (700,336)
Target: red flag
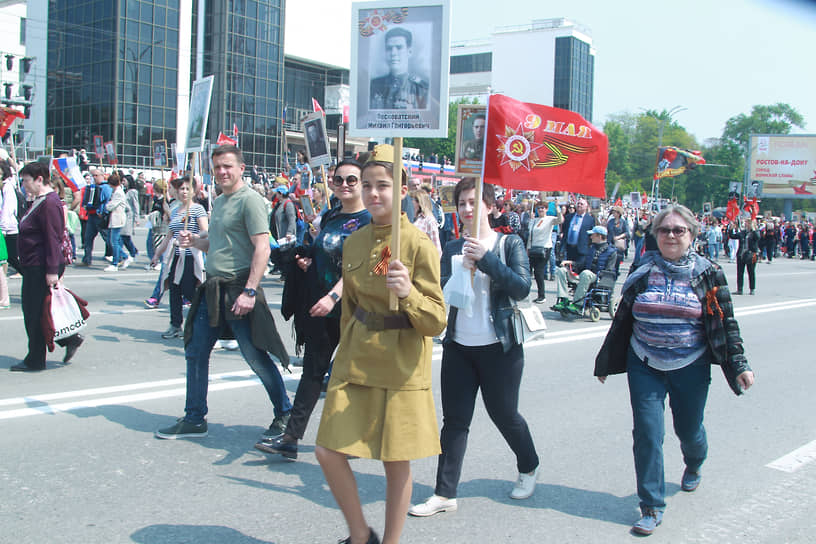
(223,139)
(540,148)
(732,210)
(316,107)
(7,117)
(235,131)
(346,114)
(644,199)
(618,202)
(751,206)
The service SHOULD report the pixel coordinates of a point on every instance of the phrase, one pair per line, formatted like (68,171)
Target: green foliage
(776,118)
(441,146)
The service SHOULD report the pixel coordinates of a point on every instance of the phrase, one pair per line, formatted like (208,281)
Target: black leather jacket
(721,328)
(507,281)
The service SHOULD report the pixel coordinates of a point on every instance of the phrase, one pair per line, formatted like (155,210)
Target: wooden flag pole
(325,188)
(396,214)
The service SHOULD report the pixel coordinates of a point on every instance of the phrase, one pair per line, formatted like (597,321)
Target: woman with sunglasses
(312,294)
(674,321)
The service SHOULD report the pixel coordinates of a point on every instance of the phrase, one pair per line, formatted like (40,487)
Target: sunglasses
(351,181)
(677,231)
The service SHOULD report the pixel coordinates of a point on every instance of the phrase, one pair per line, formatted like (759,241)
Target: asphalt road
(79,463)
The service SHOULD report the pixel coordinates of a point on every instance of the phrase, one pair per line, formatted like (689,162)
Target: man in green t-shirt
(237,247)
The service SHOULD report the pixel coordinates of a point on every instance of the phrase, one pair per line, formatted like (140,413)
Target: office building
(114,70)
(548,61)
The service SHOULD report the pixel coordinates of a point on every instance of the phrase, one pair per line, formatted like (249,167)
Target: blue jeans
(93,227)
(197,353)
(150,249)
(158,289)
(687,388)
(116,243)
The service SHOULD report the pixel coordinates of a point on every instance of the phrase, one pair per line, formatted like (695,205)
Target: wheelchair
(600,296)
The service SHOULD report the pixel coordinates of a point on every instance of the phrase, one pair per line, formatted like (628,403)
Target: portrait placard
(470,138)
(317,143)
(446,198)
(99,147)
(159,153)
(110,152)
(635,200)
(306,206)
(198,114)
(399,69)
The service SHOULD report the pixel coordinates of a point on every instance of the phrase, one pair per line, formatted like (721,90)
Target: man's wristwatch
(334,296)
(250,292)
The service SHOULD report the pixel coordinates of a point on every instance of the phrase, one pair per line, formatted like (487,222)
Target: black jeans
(322,337)
(33,293)
(11,248)
(538,262)
(186,288)
(465,370)
(746,260)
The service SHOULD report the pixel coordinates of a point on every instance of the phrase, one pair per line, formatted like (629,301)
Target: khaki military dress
(379,403)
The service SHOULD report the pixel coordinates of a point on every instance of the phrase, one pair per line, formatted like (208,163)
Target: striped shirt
(176,225)
(668,327)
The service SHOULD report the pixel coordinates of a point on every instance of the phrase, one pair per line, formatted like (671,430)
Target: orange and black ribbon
(711,298)
(381,268)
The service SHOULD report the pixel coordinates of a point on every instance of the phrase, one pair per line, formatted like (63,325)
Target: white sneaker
(433,505)
(109,258)
(525,485)
(126,262)
(111,268)
(229,345)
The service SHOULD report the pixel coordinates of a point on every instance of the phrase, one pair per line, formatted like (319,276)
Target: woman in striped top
(186,266)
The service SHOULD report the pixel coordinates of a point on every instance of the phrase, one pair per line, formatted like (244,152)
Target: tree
(441,146)
(777,118)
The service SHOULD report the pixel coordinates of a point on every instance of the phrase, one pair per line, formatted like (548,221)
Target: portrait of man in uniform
(400,89)
(472,149)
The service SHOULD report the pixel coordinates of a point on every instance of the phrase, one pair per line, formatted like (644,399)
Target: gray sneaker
(183,429)
(277,428)
(172,332)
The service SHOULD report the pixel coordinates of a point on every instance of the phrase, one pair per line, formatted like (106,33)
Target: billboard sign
(781,166)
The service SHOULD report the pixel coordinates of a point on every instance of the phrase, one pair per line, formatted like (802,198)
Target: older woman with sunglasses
(674,321)
(312,294)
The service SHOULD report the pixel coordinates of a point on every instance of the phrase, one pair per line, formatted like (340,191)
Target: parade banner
(68,170)
(317,144)
(674,161)
(471,121)
(399,69)
(781,166)
(159,153)
(541,148)
(199,113)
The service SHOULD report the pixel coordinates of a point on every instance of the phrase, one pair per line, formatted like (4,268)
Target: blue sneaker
(649,522)
(690,481)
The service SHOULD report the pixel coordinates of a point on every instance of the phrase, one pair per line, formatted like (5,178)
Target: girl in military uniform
(379,403)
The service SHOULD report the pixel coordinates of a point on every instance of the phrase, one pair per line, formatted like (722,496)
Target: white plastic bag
(65,313)
(458,291)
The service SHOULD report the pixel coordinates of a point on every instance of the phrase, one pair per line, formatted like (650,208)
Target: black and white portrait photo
(399,69)
(317,145)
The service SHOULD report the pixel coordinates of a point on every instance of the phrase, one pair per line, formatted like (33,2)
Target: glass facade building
(243,46)
(574,76)
(113,71)
(305,80)
(469,64)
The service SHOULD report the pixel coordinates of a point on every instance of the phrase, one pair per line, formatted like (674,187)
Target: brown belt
(379,322)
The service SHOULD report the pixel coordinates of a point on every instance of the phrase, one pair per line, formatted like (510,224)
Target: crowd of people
(328,238)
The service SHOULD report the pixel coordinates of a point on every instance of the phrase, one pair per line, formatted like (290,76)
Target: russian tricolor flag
(68,170)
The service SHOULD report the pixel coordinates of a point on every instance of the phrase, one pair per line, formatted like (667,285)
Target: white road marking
(795,459)
(246,378)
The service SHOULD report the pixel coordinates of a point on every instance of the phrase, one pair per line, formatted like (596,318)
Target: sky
(716,58)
